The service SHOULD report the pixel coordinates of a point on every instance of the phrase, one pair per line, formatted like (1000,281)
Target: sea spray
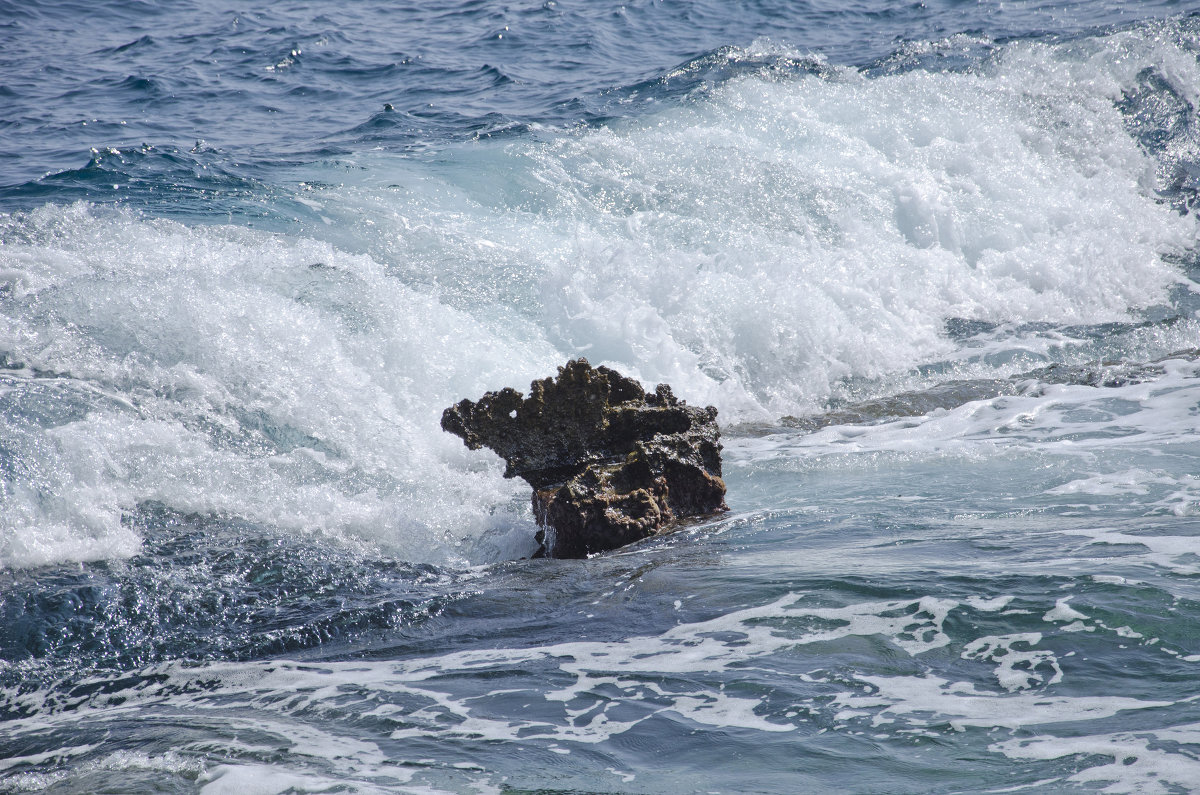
(776,236)
(225,371)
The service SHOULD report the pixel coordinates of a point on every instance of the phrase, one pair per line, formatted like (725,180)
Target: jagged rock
(609,463)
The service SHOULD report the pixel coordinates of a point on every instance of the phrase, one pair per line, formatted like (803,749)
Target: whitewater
(936,266)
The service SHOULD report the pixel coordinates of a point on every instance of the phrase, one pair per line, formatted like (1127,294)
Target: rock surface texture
(609,463)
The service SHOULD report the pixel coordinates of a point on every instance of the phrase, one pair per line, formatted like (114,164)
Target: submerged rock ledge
(609,463)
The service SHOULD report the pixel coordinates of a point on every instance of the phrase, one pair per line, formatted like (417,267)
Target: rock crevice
(609,463)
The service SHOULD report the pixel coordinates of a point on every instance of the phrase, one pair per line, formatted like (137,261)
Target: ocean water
(936,264)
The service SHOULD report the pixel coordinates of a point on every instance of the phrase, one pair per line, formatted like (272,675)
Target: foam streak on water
(720,675)
(936,268)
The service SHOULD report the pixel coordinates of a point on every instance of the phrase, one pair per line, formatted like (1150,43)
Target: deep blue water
(208,103)
(934,263)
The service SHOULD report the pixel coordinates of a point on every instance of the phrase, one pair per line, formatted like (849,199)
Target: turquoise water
(934,264)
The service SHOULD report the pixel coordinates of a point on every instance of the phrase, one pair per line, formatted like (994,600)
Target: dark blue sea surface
(195,108)
(934,263)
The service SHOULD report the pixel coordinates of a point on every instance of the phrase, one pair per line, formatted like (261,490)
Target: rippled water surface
(935,264)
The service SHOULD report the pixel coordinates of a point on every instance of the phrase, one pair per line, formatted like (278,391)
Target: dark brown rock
(609,463)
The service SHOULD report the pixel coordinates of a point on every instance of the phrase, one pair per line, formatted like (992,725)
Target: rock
(609,463)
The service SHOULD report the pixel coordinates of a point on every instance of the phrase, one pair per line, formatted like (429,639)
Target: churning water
(935,264)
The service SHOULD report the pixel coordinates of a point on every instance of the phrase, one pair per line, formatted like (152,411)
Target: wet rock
(609,463)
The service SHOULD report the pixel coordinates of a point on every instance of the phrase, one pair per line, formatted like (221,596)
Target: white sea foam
(1130,481)
(275,780)
(1177,553)
(1073,421)
(989,605)
(755,246)
(635,668)
(962,705)
(1142,762)
(226,371)
(705,675)
(1017,669)
(1063,612)
(808,228)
